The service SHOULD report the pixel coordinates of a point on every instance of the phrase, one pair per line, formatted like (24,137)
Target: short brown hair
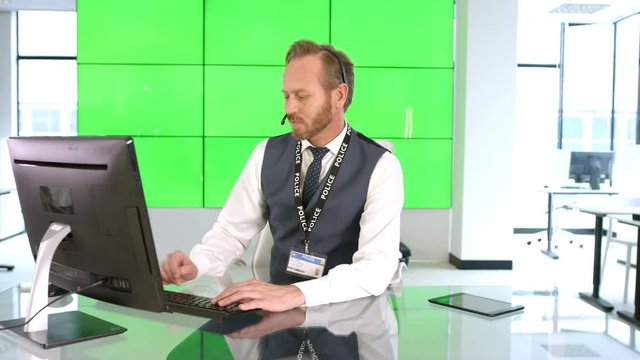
(331,65)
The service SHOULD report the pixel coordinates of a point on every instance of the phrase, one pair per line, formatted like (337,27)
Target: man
(341,244)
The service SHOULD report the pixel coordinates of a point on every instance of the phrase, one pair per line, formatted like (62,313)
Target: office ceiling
(11,5)
(575,11)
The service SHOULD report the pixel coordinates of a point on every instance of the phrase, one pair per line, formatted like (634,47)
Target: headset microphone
(284,118)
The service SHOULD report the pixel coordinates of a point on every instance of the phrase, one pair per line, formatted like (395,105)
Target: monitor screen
(93,185)
(592,167)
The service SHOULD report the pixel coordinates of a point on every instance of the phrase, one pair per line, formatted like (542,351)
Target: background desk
(634,317)
(600,212)
(557,190)
(552,323)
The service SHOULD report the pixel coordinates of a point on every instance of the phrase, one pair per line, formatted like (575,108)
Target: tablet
(476,304)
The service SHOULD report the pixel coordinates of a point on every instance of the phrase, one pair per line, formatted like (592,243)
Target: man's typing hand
(255,294)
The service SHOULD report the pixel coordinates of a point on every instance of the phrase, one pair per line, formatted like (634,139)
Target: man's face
(307,104)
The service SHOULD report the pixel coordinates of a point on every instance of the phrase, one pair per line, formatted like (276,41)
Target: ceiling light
(578,8)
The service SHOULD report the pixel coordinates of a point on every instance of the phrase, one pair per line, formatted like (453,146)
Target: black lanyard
(297,194)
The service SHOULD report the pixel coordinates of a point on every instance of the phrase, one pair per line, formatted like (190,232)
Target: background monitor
(93,185)
(593,167)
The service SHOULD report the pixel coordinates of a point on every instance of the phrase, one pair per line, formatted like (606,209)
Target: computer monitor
(93,186)
(593,167)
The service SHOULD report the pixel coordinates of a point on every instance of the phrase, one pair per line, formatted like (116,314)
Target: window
(47,73)
(587,86)
(600,85)
(536,113)
(625,100)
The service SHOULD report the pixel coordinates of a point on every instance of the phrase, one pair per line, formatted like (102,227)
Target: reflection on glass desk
(553,325)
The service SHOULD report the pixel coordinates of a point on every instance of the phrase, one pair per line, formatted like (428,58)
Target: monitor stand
(52,330)
(594,175)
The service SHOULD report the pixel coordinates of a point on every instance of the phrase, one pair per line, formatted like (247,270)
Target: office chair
(404,249)
(261,258)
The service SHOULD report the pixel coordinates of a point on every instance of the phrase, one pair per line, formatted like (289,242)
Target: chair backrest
(261,259)
(386,143)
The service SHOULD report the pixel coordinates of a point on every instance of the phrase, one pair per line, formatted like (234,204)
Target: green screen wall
(198,85)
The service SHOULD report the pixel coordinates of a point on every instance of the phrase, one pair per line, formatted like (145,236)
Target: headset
(343,73)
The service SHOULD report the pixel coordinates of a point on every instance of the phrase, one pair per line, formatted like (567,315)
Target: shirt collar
(333,145)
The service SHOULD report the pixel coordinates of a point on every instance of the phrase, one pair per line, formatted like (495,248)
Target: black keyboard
(199,305)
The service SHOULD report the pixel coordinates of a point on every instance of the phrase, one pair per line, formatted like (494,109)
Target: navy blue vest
(337,230)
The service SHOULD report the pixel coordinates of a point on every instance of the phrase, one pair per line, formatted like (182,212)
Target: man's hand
(177,268)
(255,294)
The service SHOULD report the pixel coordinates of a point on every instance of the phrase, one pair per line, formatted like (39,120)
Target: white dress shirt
(375,261)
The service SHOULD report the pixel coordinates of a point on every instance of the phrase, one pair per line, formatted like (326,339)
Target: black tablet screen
(476,304)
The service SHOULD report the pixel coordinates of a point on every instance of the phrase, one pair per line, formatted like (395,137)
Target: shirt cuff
(202,263)
(315,291)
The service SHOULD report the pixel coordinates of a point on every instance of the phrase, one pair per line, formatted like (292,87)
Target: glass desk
(553,324)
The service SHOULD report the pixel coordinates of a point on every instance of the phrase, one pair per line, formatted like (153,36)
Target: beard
(311,128)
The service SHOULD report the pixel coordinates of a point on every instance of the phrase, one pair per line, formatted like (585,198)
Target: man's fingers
(255,294)
(240,292)
(229,291)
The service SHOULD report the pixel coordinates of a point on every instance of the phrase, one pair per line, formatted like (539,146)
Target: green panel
(243,101)
(423,161)
(403,103)
(426,166)
(171,170)
(400,33)
(224,160)
(158,100)
(140,32)
(260,32)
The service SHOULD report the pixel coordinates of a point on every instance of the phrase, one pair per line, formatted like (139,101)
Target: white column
(8,91)
(483,131)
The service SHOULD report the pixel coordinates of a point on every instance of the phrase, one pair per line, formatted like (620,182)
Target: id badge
(309,265)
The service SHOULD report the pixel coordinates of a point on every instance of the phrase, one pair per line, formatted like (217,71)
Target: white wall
(484,126)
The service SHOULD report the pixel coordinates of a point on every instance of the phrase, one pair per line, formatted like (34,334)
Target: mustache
(293,118)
